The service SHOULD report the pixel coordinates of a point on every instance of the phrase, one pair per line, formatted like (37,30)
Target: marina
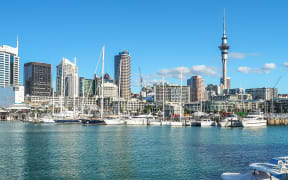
(74,151)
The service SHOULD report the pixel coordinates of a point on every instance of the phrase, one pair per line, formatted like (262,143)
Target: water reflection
(31,151)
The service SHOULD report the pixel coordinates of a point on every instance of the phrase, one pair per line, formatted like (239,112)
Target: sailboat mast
(53,98)
(163,100)
(83,96)
(102,90)
(180,116)
(74,88)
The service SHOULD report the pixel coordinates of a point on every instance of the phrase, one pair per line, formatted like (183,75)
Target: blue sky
(158,34)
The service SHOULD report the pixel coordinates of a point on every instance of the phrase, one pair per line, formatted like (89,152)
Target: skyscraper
(37,79)
(197,88)
(9,66)
(224,47)
(67,72)
(122,73)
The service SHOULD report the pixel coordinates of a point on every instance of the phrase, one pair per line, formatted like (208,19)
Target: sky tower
(224,47)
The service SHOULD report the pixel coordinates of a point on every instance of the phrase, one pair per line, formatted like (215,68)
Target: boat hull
(93,122)
(68,121)
(114,122)
(137,122)
(229,124)
(176,123)
(254,123)
(208,124)
(155,123)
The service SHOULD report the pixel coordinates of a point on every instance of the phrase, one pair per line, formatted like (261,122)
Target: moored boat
(254,119)
(46,119)
(140,120)
(231,120)
(276,169)
(177,123)
(114,121)
(206,121)
(93,121)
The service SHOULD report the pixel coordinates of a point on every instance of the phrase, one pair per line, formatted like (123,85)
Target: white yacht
(140,120)
(114,121)
(46,119)
(205,121)
(276,169)
(254,119)
(177,123)
(230,121)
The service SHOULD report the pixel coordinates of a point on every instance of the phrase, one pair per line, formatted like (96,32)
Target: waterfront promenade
(51,151)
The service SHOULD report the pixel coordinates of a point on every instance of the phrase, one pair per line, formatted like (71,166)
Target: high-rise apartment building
(67,78)
(197,88)
(122,73)
(9,66)
(37,79)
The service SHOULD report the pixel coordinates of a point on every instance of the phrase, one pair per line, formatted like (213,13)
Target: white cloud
(244,69)
(239,55)
(266,68)
(285,64)
(201,70)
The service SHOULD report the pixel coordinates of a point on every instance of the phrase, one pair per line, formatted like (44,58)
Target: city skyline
(188,38)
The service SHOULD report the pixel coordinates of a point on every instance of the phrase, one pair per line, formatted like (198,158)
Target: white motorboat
(207,122)
(46,119)
(230,121)
(114,121)
(254,119)
(176,123)
(276,169)
(140,120)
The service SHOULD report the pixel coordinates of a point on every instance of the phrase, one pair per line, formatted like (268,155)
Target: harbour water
(39,151)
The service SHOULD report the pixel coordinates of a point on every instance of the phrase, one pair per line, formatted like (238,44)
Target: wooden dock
(277,121)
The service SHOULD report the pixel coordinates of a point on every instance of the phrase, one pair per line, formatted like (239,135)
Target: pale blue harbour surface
(38,151)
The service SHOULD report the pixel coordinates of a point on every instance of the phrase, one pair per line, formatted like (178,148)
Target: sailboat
(179,123)
(116,120)
(98,121)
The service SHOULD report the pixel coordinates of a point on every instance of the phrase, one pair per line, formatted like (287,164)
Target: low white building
(10,96)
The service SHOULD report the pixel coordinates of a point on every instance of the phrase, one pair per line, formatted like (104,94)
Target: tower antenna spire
(17,44)
(224,33)
(17,41)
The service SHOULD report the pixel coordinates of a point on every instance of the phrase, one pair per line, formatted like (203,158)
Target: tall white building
(9,66)
(67,72)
